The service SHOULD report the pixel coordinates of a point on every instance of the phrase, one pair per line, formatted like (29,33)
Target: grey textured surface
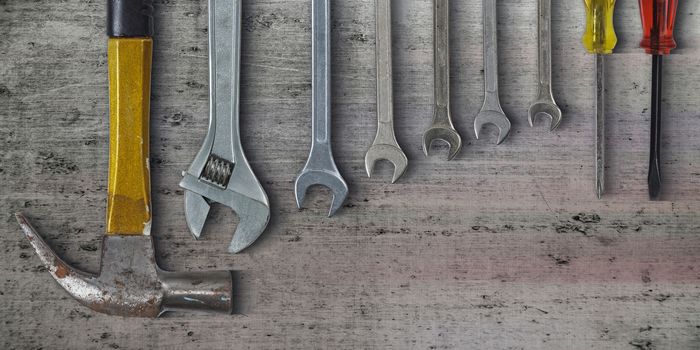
(488,251)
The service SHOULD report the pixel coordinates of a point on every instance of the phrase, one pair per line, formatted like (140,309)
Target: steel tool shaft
(600,39)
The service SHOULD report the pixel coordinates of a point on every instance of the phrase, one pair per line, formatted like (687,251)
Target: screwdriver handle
(658,20)
(599,37)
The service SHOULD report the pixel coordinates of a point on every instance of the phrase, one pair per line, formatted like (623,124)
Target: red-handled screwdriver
(658,19)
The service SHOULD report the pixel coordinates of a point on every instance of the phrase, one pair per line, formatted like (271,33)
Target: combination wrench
(491,112)
(320,168)
(442,127)
(545,104)
(385,145)
(220,172)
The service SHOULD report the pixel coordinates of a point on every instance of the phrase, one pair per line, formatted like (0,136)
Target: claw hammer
(130,282)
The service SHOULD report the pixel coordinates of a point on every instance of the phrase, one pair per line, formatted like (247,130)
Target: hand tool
(658,20)
(385,145)
(491,112)
(130,282)
(320,168)
(600,39)
(442,128)
(220,172)
(545,104)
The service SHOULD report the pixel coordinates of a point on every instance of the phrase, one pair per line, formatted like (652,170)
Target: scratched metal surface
(504,248)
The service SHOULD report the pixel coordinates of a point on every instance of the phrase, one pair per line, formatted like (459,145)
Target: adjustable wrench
(385,145)
(220,172)
(320,168)
(545,104)
(491,112)
(442,128)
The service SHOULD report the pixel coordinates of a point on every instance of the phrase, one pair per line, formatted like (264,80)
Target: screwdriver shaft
(600,125)
(654,179)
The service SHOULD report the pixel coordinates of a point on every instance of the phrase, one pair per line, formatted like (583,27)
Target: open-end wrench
(220,172)
(491,112)
(320,168)
(545,104)
(442,128)
(385,145)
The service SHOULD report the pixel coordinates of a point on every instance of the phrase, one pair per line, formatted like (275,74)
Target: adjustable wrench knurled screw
(545,104)
(385,145)
(442,127)
(320,168)
(220,172)
(491,112)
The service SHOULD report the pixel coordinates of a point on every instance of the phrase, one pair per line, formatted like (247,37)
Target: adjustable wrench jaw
(320,170)
(243,194)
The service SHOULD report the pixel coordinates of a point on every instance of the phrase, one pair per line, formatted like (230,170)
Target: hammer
(130,282)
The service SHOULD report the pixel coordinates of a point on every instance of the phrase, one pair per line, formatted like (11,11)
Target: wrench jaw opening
(196,213)
(445,134)
(331,180)
(253,215)
(545,108)
(390,153)
(498,119)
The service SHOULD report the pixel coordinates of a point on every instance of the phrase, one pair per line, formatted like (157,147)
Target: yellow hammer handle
(129,193)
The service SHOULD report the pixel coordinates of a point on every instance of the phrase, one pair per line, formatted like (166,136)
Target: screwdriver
(658,19)
(600,39)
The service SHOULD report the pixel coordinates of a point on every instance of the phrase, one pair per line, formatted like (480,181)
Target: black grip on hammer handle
(129,18)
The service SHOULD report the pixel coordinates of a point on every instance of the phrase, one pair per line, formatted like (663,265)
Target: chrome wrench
(491,112)
(385,145)
(442,127)
(220,172)
(320,168)
(545,104)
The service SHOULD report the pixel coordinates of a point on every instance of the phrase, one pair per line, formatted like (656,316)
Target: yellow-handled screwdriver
(600,39)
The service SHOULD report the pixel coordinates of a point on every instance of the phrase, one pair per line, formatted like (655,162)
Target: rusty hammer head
(130,282)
